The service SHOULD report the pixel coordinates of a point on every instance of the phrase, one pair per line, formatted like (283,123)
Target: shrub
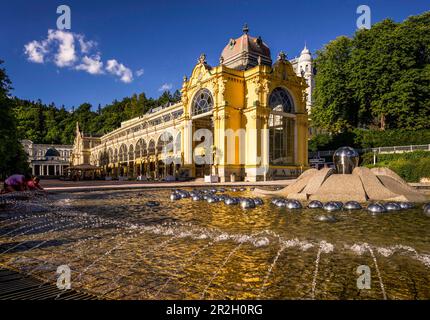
(410,166)
(363,139)
(390,138)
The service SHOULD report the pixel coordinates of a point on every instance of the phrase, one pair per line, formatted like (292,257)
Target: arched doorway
(130,166)
(202,116)
(164,154)
(282,128)
(151,159)
(122,157)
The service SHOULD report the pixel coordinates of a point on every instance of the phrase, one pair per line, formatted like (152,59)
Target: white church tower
(303,66)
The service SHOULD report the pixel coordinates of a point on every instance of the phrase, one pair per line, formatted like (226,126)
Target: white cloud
(140,72)
(36,51)
(165,87)
(92,65)
(118,69)
(66,54)
(86,46)
(68,49)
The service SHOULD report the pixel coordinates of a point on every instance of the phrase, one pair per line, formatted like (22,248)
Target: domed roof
(305,55)
(245,52)
(52,152)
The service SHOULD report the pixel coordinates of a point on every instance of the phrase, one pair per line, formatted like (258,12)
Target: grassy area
(410,166)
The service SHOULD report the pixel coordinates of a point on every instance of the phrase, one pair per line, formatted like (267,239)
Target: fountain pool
(117,247)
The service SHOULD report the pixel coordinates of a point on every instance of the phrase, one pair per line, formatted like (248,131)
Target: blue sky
(161,39)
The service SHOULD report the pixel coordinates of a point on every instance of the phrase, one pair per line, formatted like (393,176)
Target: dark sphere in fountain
(274,200)
(315,204)
(332,206)
(352,205)
(212,199)
(281,203)
(345,160)
(426,209)
(294,204)
(392,206)
(231,201)
(152,204)
(406,205)
(222,197)
(247,204)
(175,196)
(258,201)
(376,208)
(183,194)
(197,197)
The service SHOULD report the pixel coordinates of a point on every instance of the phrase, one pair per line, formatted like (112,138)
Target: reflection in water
(119,248)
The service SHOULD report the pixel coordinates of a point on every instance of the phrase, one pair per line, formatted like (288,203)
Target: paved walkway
(54,185)
(75,186)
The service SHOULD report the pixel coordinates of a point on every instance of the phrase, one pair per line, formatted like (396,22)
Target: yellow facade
(256,116)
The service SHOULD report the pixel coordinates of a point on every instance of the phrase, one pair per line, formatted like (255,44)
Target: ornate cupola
(246,52)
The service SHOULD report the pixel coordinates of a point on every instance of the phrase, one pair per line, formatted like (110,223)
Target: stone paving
(61,186)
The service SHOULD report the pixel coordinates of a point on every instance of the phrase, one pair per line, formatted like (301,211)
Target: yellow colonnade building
(244,119)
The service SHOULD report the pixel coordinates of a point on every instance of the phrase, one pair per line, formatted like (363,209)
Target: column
(252,146)
(265,146)
(188,142)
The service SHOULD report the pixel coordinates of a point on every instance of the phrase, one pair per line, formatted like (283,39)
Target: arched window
(280,100)
(151,148)
(144,148)
(123,153)
(178,141)
(110,154)
(164,141)
(131,153)
(202,102)
(100,160)
(281,128)
(137,149)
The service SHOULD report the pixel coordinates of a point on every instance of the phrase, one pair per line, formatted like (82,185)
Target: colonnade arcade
(152,158)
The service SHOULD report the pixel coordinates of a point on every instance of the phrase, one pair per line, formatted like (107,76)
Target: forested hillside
(43,123)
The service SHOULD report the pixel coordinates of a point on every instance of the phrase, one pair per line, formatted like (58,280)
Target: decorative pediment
(283,69)
(201,72)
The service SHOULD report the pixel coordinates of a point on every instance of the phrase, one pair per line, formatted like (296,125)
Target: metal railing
(401,149)
(379,150)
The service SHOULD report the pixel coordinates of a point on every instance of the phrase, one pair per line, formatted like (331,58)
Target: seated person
(16,182)
(34,184)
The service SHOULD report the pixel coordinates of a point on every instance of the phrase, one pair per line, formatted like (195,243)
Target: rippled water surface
(119,248)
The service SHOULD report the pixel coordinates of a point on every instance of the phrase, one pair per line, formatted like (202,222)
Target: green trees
(334,103)
(379,79)
(12,156)
(49,124)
